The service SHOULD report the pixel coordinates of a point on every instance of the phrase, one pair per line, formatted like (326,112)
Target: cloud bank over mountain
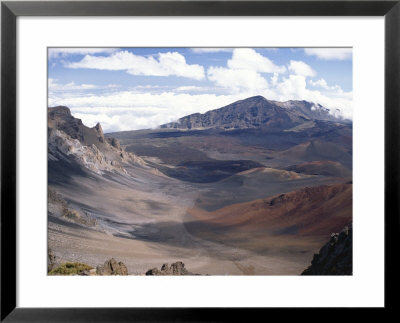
(134,88)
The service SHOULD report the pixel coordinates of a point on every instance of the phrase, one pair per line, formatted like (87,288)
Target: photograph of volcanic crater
(199,161)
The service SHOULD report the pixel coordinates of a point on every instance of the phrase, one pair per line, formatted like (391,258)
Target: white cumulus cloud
(126,110)
(245,74)
(55,52)
(129,110)
(249,59)
(206,50)
(171,63)
(72,86)
(237,79)
(330,53)
(190,88)
(243,71)
(323,84)
(301,68)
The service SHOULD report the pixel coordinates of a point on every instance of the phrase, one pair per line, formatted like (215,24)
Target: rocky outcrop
(58,207)
(335,257)
(176,269)
(51,260)
(69,139)
(61,145)
(100,132)
(112,267)
(114,142)
(60,118)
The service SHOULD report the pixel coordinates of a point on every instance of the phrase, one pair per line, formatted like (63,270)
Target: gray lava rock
(335,257)
(51,260)
(153,272)
(100,132)
(176,269)
(114,142)
(112,267)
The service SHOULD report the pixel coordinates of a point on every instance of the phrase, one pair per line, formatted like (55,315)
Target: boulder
(153,272)
(112,267)
(176,269)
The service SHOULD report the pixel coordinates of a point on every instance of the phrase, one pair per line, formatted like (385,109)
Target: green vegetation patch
(70,268)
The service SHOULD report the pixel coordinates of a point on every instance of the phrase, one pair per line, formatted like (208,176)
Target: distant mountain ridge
(256,112)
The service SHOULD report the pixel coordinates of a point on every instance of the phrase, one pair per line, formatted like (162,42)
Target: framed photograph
(197,157)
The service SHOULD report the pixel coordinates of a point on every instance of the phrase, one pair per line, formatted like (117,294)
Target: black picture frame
(10,10)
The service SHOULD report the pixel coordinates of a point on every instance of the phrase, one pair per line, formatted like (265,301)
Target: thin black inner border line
(183,47)
(180,47)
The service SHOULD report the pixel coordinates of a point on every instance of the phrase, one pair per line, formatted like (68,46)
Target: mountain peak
(255,112)
(255,98)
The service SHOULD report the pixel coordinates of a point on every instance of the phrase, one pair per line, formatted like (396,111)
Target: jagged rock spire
(99,130)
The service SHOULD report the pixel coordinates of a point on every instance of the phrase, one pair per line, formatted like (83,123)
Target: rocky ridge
(69,138)
(256,112)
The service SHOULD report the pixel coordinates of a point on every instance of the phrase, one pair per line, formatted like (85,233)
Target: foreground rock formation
(51,260)
(112,267)
(335,257)
(176,269)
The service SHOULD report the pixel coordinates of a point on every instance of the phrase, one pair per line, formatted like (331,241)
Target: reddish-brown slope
(312,212)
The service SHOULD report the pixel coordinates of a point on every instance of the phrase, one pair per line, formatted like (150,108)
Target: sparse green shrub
(70,268)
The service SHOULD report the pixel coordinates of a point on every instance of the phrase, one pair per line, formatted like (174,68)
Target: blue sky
(135,88)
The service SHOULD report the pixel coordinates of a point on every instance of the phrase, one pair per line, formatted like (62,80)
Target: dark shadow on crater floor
(205,236)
